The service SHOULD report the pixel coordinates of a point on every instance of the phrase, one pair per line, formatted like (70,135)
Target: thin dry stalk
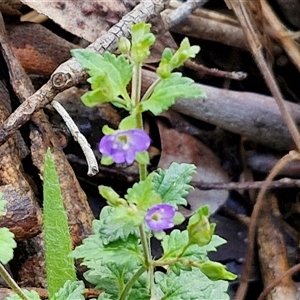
(240,294)
(277,280)
(251,185)
(282,35)
(255,45)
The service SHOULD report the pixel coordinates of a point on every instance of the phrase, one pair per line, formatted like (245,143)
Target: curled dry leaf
(86,19)
(37,54)
(22,216)
(183,148)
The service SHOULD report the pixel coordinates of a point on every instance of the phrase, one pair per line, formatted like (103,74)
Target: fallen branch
(277,184)
(182,12)
(208,25)
(254,116)
(272,251)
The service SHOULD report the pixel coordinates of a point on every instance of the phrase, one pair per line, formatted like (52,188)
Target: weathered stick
(182,12)
(208,25)
(252,115)
(272,250)
(248,185)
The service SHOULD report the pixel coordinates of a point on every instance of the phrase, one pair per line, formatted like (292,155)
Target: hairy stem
(144,241)
(150,89)
(131,282)
(12,284)
(136,84)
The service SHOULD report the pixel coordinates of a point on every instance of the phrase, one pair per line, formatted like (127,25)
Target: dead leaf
(37,54)
(183,148)
(86,19)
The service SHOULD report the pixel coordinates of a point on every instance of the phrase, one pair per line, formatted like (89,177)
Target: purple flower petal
(123,145)
(160,217)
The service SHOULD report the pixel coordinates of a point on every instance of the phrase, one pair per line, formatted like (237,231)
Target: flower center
(122,141)
(156,216)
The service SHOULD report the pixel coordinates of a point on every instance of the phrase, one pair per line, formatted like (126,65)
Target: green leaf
(112,278)
(2,205)
(70,291)
(179,218)
(174,243)
(95,253)
(199,228)
(170,61)
(215,270)
(142,194)
(59,267)
(139,294)
(106,160)
(190,285)
(139,290)
(119,223)
(112,197)
(142,40)
(110,75)
(168,90)
(173,184)
(7,243)
(142,158)
(107,130)
(103,278)
(128,123)
(31,295)
(159,235)
(109,265)
(105,296)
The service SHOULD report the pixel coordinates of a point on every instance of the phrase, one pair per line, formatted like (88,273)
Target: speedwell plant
(118,254)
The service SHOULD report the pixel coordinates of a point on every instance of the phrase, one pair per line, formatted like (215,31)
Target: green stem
(136,84)
(151,281)
(150,89)
(143,171)
(131,282)
(146,248)
(145,245)
(183,250)
(161,261)
(12,284)
(136,98)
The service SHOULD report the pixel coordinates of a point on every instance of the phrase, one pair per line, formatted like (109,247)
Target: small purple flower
(160,217)
(123,145)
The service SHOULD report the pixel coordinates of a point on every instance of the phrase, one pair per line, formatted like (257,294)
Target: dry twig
(272,251)
(277,184)
(208,25)
(253,222)
(250,30)
(93,168)
(277,280)
(182,12)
